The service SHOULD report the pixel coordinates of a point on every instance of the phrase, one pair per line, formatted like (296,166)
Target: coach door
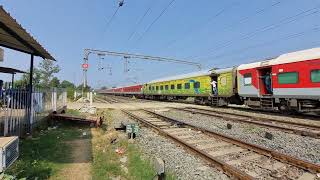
(265,81)
(214,85)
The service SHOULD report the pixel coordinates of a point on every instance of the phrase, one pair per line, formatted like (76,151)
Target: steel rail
(256,148)
(261,118)
(229,170)
(255,120)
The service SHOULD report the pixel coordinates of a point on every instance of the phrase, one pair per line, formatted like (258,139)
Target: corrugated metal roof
(13,36)
(10,70)
(183,76)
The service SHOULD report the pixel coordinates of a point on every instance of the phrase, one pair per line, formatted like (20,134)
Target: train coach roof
(219,71)
(183,76)
(296,56)
(127,86)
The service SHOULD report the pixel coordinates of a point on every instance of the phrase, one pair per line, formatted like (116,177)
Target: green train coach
(196,85)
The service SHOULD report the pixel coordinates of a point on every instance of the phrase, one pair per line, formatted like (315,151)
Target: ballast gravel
(291,118)
(305,148)
(184,165)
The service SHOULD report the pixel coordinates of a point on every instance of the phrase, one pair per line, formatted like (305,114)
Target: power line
(120,4)
(155,20)
(110,20)
(249,35)
(290,36)
(261,11)
(139,22)
(224,9)
(126,56)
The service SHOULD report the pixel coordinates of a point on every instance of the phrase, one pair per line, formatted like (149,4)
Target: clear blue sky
(214,33)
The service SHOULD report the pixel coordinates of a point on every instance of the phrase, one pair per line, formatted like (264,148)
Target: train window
(247,79)
(223,81)
(179,86)
(315,75)
(157,88)
(196,84)
(161,88)
(152,88)
(288,78)
(149,88)
(172,86)
(166,87)
(187,86)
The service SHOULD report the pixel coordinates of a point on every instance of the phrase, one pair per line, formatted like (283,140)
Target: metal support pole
(54,99)
(12,81)
(30,94)
(85,61)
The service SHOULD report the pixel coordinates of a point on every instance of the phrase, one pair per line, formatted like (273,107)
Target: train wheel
(284,108)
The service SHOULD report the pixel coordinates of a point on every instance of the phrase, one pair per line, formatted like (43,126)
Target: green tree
(67,84)
(55,82)
(47,69)
(80,87)
(70,88)
(24,80)
(104,88)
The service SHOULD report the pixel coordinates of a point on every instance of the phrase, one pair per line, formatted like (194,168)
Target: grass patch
(74,112)
(45,154)
(105,160)
(140,168)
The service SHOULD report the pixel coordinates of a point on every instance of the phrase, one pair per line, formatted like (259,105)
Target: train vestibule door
(214,85)
(265,81)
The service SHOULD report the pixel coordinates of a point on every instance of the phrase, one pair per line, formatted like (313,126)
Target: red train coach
(290,82)
(135,90)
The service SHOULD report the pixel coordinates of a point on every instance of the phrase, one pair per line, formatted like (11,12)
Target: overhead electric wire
(109,22)
(249,35)
(290,36)
(224,9)
(112,17)
(261,11)
(139,22)
(155,20)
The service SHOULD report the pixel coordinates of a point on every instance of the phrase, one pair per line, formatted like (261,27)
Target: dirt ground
(80,166)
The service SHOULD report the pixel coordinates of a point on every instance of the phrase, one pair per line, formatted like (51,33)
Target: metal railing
(18,117)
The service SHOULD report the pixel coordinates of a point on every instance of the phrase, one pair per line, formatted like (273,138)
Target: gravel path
(302,147)
(178,161)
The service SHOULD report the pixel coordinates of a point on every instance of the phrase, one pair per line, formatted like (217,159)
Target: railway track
(236,158)
(106,100)
(95,99)
(287,126)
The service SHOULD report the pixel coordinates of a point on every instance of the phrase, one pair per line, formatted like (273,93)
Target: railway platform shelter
(14,36)
(12,71)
